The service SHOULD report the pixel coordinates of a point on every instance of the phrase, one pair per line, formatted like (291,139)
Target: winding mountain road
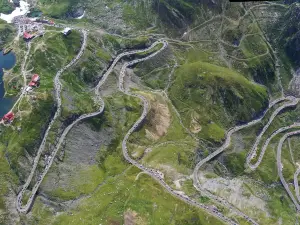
(293,102)
(226,144)
(58,86)
(266,144)
(280,167)
(153,173)
(296,183)
(229,133)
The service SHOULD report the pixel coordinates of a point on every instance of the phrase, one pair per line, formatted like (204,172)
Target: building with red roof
(9,117)
(32,84)
(35,81)
(27,36)
(35,78)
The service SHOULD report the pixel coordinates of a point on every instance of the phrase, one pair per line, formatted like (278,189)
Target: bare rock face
(79,154)
(290,1)
(76,12)
(179,15)
(294,86)
(16,3)
(291,34)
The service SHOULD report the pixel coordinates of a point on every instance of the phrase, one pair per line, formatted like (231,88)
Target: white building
(28,89)
(66,31)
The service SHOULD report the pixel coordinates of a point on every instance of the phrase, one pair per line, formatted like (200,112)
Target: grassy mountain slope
(6,33)
(290,35)
(5,7)
(57,9)
(219,70)
(215,97)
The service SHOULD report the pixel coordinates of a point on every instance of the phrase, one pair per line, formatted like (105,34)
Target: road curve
(155,174)
(253,152)
(280,167)
(228,137)
(226,144)
(151,172)
(265,145)
(296,183)
(57,86)
(26,208)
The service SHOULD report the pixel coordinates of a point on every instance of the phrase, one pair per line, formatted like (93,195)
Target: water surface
(6,62)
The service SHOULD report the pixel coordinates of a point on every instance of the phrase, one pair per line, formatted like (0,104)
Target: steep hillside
(6,6)
(290,35)
(60,9)
(223,64)
(215,97)
(6,33)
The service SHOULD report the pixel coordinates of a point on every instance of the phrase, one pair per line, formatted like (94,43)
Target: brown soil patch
(195,127)
(113,222)
(159,120)
(170,172)
(130,217)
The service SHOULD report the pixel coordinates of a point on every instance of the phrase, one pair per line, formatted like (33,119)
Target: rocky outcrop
(291,34)
(291,1)
(76,12)
(179,15)
(16,3)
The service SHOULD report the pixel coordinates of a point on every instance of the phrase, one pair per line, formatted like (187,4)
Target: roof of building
(66,30)
(35,78)
(32,84)
(27,35)
(9,116)
(28,89)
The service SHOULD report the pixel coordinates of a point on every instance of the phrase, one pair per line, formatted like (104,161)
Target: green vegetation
(6,7)
(289,35)
(143,196)
(281,205)
(137,16)
(6,33)
(45,63)
(56,8)
(215,97)
(234,162)
(83,182)
(60,50)
(172,151)
(213,132)
(254,46)
(179,158)
(13,81)
(116,43)
(6,178)
(123,188)
(77,81)
(221,51)
(263,68)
